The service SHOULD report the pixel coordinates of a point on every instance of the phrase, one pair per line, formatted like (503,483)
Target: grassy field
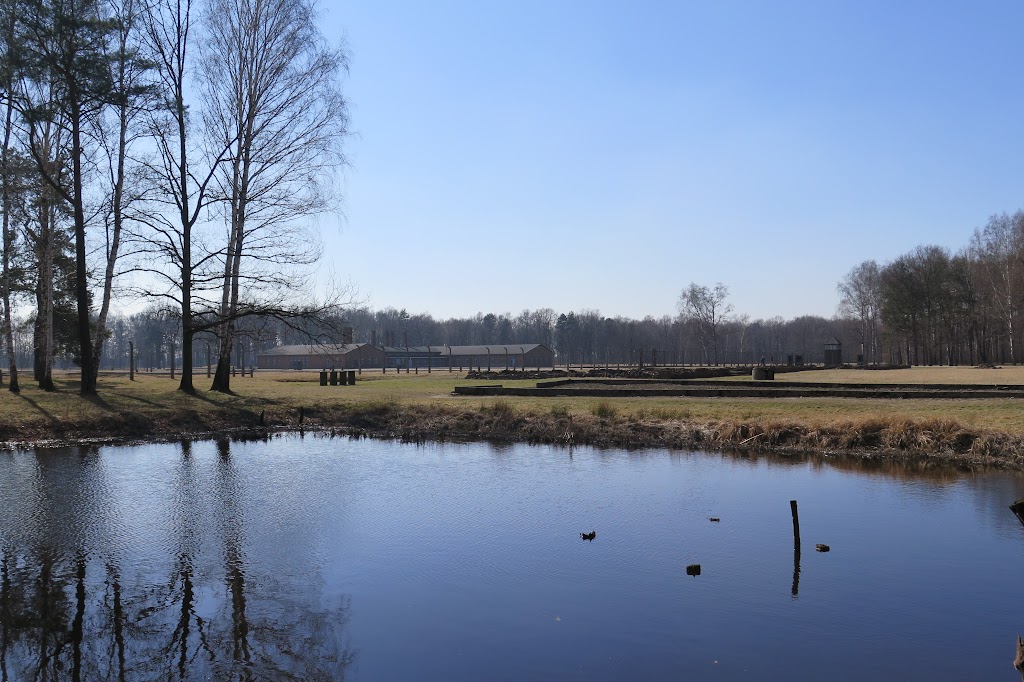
(914,375)
(421,404)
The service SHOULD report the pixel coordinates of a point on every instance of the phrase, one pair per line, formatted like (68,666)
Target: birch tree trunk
(7,236)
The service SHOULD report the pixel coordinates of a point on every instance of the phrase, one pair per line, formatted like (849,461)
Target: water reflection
(72,618)
(909,469)
(190,608)
(795,590)
(232,560)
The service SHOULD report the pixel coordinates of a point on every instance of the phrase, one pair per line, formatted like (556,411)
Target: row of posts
(338,378)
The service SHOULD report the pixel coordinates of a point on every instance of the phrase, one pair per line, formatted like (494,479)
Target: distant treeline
(931,307)
(576,336)
(926,307)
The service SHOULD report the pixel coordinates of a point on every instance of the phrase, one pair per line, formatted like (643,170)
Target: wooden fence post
(796,547)
(1018,509)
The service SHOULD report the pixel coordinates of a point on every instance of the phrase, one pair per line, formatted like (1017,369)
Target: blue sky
(603,155)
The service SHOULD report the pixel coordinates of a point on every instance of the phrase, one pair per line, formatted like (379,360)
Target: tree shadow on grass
(99,402)
(205,397)
(248,416)
(142,400)
(49,417)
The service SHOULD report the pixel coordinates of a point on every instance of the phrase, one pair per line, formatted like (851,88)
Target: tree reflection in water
(68,614)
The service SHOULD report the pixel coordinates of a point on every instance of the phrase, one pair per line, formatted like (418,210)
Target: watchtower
(833,352)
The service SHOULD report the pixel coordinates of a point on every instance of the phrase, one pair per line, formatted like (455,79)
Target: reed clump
(895,435)
(559,410)
(499,408)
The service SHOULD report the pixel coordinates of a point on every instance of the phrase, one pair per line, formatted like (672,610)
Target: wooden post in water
(1018,509)
(796,547)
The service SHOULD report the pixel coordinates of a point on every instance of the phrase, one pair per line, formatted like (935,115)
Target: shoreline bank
(928,441)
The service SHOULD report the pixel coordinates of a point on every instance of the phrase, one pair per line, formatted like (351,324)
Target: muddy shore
(938,442)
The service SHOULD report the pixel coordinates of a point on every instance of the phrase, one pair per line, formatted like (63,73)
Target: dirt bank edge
(939,441)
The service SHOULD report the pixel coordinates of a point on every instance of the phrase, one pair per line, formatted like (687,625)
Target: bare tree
(708,307)
(999,250)
(743,323)
(43,225)
(273,93)
(129,100)
(860,298)
(175,252)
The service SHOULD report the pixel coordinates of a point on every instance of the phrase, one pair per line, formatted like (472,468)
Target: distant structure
(833,352)
(493,356)
(337,356)
(364,355)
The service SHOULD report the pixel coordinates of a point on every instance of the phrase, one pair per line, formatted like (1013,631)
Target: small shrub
(560,410)
(501,408)
(604,410)
(670,414)
(380,405)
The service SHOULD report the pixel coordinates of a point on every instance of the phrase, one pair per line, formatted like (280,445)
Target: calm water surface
(317,558)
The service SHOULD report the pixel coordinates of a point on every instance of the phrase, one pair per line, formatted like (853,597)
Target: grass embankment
(421,407)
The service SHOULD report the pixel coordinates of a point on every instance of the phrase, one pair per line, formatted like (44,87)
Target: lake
(317,558)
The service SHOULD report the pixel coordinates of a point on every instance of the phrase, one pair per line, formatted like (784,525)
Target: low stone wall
(745,389)
(662,373)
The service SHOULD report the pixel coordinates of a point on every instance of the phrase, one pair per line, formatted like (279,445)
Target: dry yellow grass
(914,375)
(152,400)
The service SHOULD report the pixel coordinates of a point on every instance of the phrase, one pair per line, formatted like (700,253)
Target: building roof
(413,350)
(438,350)
(495,349)
(322,349)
